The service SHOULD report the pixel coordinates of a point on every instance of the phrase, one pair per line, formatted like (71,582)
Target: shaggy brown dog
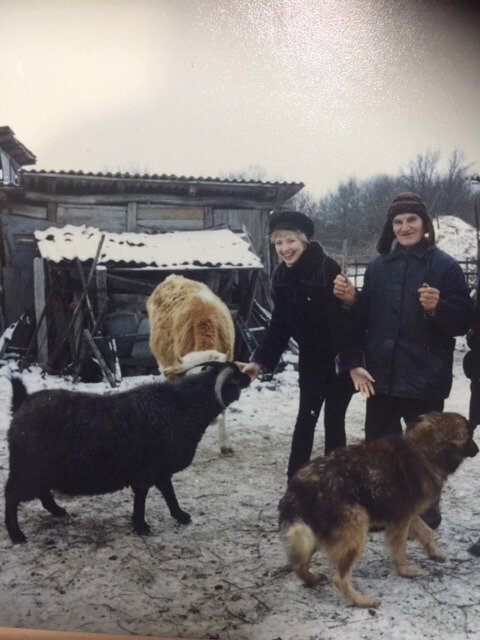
(331,500)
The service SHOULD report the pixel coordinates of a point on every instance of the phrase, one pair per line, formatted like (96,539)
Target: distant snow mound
(456,237)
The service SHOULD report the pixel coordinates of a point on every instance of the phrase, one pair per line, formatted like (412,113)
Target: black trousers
(474,409)
(336,394)
(384,413)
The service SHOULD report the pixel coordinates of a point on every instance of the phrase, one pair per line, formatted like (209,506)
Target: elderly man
(413,303)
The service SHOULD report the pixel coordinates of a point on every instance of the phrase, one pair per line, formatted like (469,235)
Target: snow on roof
(456,237)
(178,250)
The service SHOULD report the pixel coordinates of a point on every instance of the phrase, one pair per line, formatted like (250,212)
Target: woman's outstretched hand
(252,369)
(362,381)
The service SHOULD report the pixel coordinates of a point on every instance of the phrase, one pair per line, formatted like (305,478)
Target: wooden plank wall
(154,217)
(118,218)
(164,218)
(28,210)
(107,218)
(131,217)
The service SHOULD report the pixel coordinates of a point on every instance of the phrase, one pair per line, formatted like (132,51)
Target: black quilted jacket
(306,309)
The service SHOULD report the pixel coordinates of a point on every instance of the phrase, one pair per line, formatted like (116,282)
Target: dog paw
(312,579)
(407,571)
(438,555)
(367,603)
(227,452)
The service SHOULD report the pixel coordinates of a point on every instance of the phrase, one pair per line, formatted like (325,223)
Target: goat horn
(219,382)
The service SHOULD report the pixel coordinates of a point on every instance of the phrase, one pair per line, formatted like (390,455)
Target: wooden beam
(161,212)
(40,301)
(224,202)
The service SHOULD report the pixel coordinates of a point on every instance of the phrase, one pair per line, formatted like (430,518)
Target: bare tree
(253,172)
(423,176)
(455,194)
(304,201)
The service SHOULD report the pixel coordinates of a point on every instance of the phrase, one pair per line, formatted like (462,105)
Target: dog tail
(300,544)
(19,392)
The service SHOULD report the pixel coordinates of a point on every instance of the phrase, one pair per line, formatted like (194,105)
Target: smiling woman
(305,309)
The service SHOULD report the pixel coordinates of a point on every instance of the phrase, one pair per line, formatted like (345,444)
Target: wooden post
(85,291)
(78,304)
(101,297)
(52,211)
(132,216)
(207,217)
(39,299)
(213,281)
(78,317)
(248,283)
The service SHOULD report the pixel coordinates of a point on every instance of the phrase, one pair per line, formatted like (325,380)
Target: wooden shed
(91,288)
(32,201)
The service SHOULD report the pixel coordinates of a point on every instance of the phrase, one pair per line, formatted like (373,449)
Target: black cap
(292,221)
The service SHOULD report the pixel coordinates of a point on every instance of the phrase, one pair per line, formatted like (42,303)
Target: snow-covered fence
(356,272)
(470,269)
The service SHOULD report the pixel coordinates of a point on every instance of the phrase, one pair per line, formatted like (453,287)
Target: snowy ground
(225,576)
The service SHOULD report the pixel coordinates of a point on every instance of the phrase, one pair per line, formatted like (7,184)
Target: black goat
(85,444)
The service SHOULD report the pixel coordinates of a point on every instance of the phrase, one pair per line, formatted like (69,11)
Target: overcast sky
(311,90)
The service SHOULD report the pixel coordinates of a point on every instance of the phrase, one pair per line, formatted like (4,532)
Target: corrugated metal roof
(175,250)
(153,176)
(15,149)
(78,182)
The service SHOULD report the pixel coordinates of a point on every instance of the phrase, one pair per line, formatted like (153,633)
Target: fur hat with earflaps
(405,202)
(408,202)
(291,221)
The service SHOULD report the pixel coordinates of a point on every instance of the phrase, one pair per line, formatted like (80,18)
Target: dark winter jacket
(409,352)
(471,361)
(471,365)
(306,309)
